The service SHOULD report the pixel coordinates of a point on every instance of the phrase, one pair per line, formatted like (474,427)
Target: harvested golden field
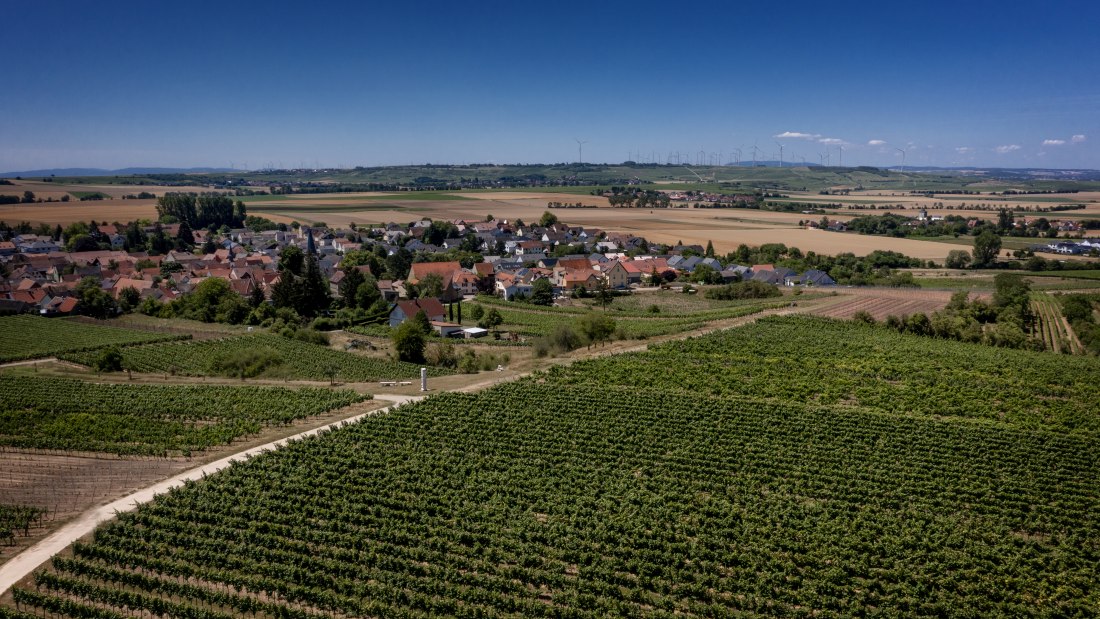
(67,212)
(726,228)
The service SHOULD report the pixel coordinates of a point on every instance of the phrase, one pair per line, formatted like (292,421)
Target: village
(459,259)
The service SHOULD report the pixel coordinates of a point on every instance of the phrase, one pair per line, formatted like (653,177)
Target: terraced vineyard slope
(796,467)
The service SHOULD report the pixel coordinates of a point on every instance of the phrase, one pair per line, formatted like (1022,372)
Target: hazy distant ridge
(122,172)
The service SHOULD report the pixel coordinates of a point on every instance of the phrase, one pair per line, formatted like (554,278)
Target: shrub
(109,360)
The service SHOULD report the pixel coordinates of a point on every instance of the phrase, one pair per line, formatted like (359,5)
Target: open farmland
(290,359)
(848,467)
(726,228)
(30,337)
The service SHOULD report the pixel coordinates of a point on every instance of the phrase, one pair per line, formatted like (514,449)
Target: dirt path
(12,364)
(21,565)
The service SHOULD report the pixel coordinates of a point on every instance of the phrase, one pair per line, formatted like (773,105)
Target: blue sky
(120,84)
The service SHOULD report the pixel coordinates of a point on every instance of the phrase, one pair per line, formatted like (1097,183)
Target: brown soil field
(883,302)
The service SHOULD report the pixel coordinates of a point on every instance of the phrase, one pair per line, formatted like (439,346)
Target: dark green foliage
(408,341)
(542,292)
(744,290)
(245,363)
(986,247)
(108,360)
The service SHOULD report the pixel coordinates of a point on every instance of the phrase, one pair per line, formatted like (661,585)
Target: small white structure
(472,332)
(423,379)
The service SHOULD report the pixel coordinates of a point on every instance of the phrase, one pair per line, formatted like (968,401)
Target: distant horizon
(91,171)
(934,84)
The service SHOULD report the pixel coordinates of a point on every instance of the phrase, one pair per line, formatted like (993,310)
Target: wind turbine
(840,148)
(902,151)
(580,150)
(780,154)
(754,149)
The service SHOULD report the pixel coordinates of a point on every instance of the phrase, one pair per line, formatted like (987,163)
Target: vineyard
(1052,327)
(296,359)
(31,337)
(17,520)
(821,361)
(533,321)
(73,415)
(795,467)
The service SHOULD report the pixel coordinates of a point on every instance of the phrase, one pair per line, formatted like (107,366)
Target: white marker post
(423,379)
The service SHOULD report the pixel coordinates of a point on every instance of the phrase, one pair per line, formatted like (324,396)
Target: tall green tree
(349,286)
(542,292)
(408,341)
(986,247)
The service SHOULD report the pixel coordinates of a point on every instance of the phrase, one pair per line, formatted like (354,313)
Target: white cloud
(1077,139)
(833,141)
(962,150)
(876,142)
(798,135)
(1007,148)
(1053,142)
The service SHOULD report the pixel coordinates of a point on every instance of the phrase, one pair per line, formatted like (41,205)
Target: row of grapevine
(31,337)
(74,415)
(818,360)
(297,359)
(614,489)
(536,322)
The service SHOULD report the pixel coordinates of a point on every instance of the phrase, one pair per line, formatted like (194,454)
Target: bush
(309,336)
(864,316)
(110,360)
(408,341)
(441,354)
(744,290)
(245,363)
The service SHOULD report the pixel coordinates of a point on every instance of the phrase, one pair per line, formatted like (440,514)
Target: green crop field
(295,359)
(73,415)
(30,337)
(799,467)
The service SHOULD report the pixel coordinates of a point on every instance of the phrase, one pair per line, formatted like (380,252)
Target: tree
(367,294)
(128,299)
(548,219)
(185,237)
(292,259)
(94,301)
(597,327)
(542,292)
(314,296)
(28,197)
(256,299)
(603,294)
(491,320)
(709,253)
(110,360)
(349,286)
(476,312)
(408,341)
(986,247)
(430,286)
(420,319)
(957,259)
